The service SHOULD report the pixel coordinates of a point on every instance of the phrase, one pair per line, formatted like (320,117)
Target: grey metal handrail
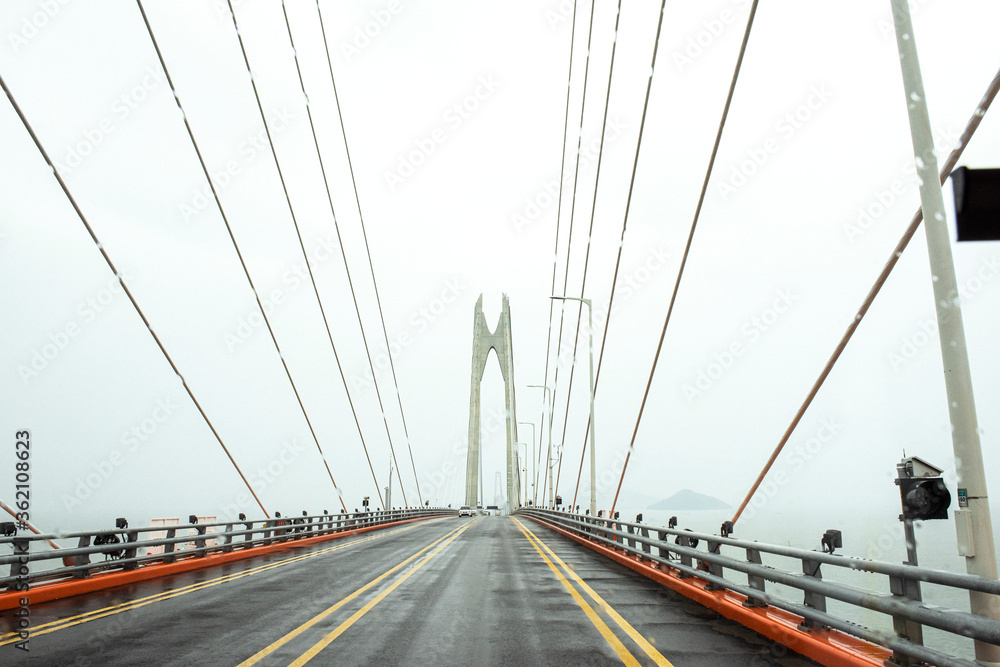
(76,561)
(710,565)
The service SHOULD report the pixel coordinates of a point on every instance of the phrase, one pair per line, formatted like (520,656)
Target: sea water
(873,537)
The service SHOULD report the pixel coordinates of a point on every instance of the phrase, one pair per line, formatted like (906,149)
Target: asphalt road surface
(486,590)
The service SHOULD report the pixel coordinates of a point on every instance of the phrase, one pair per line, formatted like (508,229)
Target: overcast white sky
(454,114)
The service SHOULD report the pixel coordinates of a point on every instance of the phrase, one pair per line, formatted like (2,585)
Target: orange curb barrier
(70,587)
(826,646)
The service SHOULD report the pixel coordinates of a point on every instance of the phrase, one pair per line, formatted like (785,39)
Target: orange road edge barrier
(71,587)
(827,646)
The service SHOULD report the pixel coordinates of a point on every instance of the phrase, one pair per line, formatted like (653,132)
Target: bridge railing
(131,548)
(708,558)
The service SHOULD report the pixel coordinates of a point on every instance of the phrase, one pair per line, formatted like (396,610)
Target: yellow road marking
(263,653)
(70,621)
(323,643)
(617,646)
(608,609)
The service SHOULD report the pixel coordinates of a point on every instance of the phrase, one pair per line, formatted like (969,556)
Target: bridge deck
(443,592)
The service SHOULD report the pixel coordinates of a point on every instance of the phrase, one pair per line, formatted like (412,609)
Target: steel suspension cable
(572,211)
(555,255)
(621,242)
(949,164)
(590,235)
(371,266)
(236,247)
(687,245)
(302,247)
(128,292)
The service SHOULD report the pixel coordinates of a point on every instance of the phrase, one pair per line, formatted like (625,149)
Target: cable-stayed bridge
(243,242)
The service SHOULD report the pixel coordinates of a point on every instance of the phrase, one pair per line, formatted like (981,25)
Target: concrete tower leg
(499,340)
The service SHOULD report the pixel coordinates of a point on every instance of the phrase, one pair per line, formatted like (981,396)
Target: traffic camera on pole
(922,491)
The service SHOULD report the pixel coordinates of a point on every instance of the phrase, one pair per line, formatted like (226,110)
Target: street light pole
(548,457)
(593,437)
(518,444)
(532,425)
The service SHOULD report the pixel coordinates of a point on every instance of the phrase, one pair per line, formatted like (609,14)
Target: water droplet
(939,216)
(934,278)
(915,96)
(919,162)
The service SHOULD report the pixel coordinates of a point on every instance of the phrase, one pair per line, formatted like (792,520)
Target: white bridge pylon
(484,340)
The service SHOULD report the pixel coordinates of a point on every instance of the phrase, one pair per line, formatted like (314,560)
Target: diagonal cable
(371,266)
(687,245)
(590,235)
(555,254)
(357,309)
(128,292)
(572,210)
(890,264)
(302,247)
(232,237)
(621,242)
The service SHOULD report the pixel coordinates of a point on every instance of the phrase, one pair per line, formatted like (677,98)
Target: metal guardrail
(123,549)
(701,555)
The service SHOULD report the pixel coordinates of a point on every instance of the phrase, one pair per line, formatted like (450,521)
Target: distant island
(687,499)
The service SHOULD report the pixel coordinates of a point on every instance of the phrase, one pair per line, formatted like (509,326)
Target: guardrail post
(911,630)
(199,544)
(248,538)
(168,549)
(227,544)
(645,533)
(684,541)
(714,568)
(630,540)
(82,559)
(661,551)
(817,601)
(130,536)
(756,582)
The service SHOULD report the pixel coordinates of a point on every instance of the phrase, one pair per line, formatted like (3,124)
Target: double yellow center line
(327,639)
(609,636)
